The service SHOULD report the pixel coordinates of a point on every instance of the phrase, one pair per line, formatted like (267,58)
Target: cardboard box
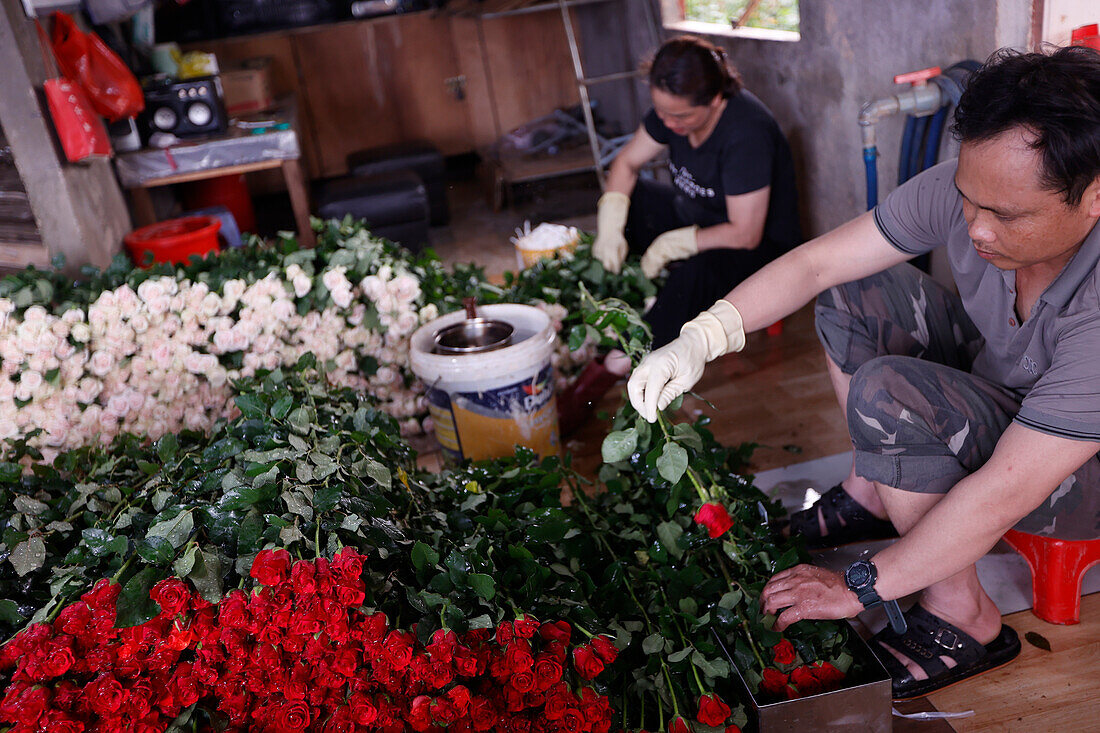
(246,86)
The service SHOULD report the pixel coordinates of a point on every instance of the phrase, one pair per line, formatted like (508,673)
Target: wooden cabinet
(459,82)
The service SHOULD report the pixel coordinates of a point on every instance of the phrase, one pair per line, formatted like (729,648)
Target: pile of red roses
(297,653)
(789,679)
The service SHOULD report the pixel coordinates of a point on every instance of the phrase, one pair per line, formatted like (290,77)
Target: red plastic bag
(83,57)
(79,128)
(81,132)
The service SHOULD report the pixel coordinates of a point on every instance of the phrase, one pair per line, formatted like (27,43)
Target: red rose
(556,631)
(271,566)
(573,721)
(784,653)
(293,715)
(526,626)
(172,595)
(733,729)
(59,659)
(482,713)
(774,682)
(397,649)
(605,648)
(806,680)
(585,661)
(712,711)
(301,579)
(522,680)
(679,725)
(58,722)
(827,673)
(715,518)
(105,695)
(505,633)
(347,566)
(547,671)
(233,610)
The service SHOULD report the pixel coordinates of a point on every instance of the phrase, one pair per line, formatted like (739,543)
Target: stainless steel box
(864,706)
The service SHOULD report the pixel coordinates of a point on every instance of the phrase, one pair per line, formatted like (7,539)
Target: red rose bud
(733,729)
(679,725)
(715,518)
(271,566)
(827,674)
(784,653)
(526,626)
(587,664)
(605,648)
(806,681)
(773,682)
(556,631)
(712,711)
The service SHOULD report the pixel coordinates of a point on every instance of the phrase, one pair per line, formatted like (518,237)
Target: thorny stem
(752,643)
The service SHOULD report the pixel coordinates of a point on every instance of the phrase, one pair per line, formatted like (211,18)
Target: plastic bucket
(175,240)
(527,257)
(485,404)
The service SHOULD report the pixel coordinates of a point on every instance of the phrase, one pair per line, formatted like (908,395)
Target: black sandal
(846,521)
(929,638)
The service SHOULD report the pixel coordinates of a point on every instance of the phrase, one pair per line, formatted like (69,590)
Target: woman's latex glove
(610,246)
(673,369)
(677,244)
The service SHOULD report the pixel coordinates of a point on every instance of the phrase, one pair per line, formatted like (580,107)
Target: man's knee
(876,399)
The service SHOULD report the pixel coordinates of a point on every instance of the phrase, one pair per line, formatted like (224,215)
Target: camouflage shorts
(919,420)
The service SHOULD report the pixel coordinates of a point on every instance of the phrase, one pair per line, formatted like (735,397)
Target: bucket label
(491,423)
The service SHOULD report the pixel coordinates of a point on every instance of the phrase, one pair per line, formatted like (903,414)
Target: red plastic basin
(174,240)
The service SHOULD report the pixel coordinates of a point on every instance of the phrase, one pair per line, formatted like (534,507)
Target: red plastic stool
(1057,567)
(776,329)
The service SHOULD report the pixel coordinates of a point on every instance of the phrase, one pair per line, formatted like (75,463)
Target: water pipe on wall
(926,102)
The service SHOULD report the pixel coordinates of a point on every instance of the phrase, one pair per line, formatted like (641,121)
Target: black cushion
(383,199)
(422,157)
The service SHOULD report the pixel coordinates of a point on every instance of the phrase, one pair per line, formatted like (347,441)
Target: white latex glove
(673,369)
(677,244)
(610,246)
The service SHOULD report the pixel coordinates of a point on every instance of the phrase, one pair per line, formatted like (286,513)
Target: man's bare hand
(808,592)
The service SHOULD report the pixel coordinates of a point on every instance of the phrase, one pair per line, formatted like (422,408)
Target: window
(768,19)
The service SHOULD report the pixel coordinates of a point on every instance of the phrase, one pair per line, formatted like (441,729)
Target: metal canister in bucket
(474,335)
(490,383)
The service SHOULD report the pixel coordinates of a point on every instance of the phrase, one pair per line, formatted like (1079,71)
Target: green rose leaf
(483,585)
(251,405)
(9,612)
(282,406)
(424,556)
(101,543)
(680,655)
(672,463)
(669,533)
(28,555)
(134,605)
(653,644)
(186,562)
(176,530)
(619,445)
(207,575)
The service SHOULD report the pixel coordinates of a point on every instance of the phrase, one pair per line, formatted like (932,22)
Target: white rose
(302,284)
(341,297)
(150,290)
(429,313)
(405,288)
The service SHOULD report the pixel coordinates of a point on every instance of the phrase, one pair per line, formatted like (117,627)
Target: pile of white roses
(159,355)
(160,358)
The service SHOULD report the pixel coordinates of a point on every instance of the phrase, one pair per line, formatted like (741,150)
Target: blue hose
(916,149)
(932,141)
(906,147)
(870,163)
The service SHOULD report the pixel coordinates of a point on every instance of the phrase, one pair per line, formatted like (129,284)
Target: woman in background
(731,207)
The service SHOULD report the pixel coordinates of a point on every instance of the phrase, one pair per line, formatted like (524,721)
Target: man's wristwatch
(860,577)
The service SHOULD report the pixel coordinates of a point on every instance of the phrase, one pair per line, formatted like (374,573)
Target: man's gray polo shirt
(1052,360)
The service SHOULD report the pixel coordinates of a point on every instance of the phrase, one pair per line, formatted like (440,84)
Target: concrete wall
(849,52)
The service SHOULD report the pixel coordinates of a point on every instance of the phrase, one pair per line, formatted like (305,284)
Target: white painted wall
(1060,17)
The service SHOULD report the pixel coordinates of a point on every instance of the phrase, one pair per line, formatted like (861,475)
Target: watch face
(858,575)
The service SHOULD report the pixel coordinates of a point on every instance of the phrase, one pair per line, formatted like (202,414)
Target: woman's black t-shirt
(745,152)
